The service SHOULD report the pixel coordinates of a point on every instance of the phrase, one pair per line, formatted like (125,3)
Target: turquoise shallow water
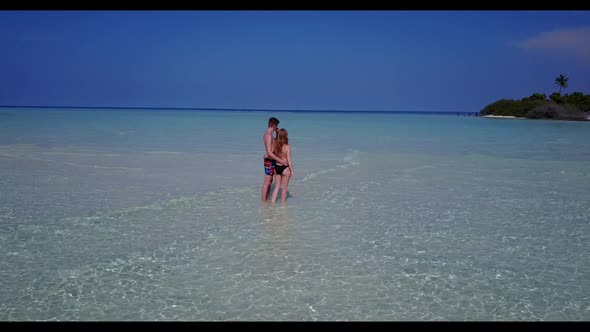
(155,215)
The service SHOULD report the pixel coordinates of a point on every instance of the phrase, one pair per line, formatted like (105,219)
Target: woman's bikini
(280,168)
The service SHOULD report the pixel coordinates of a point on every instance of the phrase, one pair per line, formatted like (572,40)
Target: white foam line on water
(175,202)
(166,203)
(417,168)
(351,159)
(71,164)
(316,174)
(187,199)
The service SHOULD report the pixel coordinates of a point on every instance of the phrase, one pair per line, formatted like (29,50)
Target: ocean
(147,215)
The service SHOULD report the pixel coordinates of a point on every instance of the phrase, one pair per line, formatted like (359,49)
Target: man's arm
(268,145)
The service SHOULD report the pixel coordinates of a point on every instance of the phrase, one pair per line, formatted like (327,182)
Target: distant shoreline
(242,110)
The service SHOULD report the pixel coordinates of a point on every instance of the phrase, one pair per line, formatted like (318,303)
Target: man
(270,158)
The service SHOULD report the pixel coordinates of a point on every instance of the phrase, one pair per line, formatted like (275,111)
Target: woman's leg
(277,181)
(284,183)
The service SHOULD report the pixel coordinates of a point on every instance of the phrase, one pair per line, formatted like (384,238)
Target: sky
(310,60)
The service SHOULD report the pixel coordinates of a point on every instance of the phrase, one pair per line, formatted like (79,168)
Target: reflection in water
(277,239)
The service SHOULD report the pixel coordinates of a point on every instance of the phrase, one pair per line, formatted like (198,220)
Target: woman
(283,173)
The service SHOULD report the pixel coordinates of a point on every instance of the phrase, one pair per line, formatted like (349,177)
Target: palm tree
(561,81)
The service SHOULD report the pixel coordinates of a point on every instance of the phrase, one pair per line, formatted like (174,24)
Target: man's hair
(273,122)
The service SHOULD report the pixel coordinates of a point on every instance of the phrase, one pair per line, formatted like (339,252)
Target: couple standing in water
(277,161)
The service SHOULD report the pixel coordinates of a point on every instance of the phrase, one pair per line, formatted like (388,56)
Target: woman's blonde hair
(282,139)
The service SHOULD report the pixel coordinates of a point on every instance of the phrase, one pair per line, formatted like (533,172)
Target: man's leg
(269,171)
(266,187)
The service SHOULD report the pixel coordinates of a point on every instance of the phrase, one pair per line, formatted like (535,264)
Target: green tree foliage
(561,81)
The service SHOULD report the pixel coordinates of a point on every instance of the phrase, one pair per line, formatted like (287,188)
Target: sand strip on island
(503,117)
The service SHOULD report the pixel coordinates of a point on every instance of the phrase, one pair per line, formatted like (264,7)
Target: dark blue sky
(374,60)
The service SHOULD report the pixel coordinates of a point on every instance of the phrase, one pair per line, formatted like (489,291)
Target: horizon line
(233,109)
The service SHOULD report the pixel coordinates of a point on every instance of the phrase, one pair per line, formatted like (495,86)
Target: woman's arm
(290,162)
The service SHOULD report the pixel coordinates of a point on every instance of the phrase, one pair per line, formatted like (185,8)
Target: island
(575,106)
